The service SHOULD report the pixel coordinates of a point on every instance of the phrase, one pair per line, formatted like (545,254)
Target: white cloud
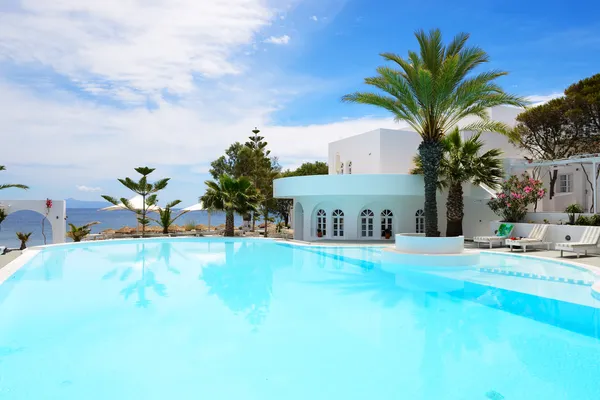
(83,188)
(314,18)
(285,39)
(139,45)
(538,99)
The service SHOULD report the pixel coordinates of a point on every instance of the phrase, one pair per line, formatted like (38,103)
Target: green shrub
(571,210)
(595,219)
(583,220)
(190,225)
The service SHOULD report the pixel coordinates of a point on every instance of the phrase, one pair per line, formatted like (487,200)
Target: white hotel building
(369,188)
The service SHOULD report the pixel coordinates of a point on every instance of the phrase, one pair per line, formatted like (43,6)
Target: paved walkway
(8,257)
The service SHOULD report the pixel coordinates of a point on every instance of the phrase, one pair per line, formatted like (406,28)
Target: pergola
(593,159)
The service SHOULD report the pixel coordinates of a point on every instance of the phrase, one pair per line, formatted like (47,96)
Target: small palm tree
(232,196)
(432,91)
(166,218)
(24,238)
(463,162)
(11,185)
(78,233)
(143,188)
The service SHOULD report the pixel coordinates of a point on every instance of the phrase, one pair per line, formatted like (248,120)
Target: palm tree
(462,162)
(143,188)
(11,185)
(432,91)
(232,196)
(165,215)
(24,238)
(77,233)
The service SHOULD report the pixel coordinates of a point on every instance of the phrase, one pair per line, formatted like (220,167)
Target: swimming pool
(257,319)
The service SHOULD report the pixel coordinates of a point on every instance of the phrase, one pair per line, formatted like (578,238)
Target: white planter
(409,243)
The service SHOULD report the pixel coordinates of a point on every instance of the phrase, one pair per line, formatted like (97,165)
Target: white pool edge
(9,269)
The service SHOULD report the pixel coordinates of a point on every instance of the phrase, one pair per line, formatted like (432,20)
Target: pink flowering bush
(515,195)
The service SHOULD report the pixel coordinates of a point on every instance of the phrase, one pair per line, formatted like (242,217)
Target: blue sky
(92,89)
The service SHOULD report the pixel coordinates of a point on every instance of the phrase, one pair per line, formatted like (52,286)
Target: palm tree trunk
(229,223)
(454,210)
(266,223)
(431,156)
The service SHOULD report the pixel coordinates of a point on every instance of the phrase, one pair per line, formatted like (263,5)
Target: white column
(595,186)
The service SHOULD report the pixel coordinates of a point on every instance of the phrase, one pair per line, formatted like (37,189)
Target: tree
(463,162)
(552,131)
(232,163)
(585,96)
(231,196)
(515,195)
(78,233)
(283,206)
(11,185)
(432,91)
(147,190)
(24,238)
(165,216)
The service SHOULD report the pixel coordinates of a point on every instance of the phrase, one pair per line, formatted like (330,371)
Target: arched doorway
(366,223)
(55,216)
(25,221)
(298,221)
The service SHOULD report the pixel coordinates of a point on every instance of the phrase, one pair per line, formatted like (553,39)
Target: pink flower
(528,189)
(48,203)
(507,204)
(501,195)
(532,181)
(541,193)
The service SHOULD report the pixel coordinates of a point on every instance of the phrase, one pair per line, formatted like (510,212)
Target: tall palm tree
(463,162)
(432,91)
(11,185)
(232,196)
(147,190)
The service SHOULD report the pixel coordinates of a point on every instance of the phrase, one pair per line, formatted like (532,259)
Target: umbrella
(136,202)
(199,207)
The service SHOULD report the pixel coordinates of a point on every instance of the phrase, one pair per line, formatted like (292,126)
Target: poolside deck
(8,257)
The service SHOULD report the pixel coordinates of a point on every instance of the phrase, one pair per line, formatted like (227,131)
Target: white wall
(56,216)
(363,150)
(398,147)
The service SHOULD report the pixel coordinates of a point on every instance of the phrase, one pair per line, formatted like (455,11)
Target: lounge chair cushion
(504,230)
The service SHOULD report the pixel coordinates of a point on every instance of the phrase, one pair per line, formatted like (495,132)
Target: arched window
(349,167)
(338,223)
(366,223)
(387,221)
(342,168)
(420,220)
(322,222)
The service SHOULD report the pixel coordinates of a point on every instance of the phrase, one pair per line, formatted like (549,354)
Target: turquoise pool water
(254,319)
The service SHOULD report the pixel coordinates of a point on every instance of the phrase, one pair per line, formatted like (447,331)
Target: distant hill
(74,203)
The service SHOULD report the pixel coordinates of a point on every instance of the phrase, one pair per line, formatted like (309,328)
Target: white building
(369,188)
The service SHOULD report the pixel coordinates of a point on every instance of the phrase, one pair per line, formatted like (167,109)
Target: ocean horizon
(30,221)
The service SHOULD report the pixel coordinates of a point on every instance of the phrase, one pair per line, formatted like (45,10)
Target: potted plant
(319,233)
(571,210)
(387,233)
(24,238)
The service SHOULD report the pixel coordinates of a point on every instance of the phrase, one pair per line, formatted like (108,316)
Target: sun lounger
(503,233)
(588,241)
(536,237)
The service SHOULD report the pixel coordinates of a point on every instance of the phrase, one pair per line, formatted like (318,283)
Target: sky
(90,89)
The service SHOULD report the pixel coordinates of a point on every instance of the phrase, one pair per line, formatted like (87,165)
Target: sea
(30,221)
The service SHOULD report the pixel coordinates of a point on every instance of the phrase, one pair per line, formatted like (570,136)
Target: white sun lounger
(536,237)
(588,241)
(495,239)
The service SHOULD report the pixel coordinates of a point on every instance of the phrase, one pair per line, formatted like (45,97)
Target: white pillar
(595,186)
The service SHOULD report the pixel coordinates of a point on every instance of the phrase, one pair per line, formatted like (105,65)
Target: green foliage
(571,210)
(24,238)
(146,189)
(11,185)
(583,220)
(78,233)
(585,96)
(515,195)
(166,217)
(190,225)
(306,169)
(432,90)
(232,196)
(3,215)
(595,219)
